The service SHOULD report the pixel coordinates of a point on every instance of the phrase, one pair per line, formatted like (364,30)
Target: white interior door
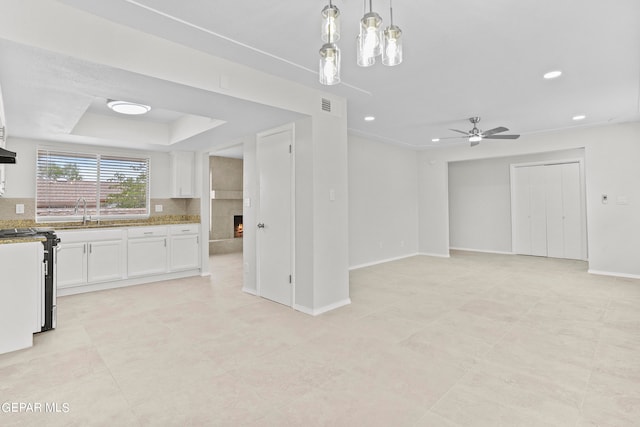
(572,212)
(547,211)
(538,212)
(275,217)
(555,211)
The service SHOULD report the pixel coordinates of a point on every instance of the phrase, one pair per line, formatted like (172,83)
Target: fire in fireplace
(237,226)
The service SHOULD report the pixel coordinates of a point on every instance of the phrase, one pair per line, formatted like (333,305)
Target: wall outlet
(605,199)
(159,208)
(19,208)
(247,202)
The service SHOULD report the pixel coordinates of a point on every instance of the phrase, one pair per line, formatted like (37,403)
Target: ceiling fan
(476,135)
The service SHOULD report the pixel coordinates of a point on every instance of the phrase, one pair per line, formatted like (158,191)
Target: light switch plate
(159,208)
(247,202)
(19,208)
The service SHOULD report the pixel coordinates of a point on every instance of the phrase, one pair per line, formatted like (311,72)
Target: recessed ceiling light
(126,107)
(552,74)
(435,140)
(579,117)
(369,119)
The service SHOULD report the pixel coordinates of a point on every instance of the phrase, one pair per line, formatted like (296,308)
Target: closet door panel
(572,208)
(555,216)
(538,211)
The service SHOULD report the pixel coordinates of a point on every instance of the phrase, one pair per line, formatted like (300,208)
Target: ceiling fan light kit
(371,42)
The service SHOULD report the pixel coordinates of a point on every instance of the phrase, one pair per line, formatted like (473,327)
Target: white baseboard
(484,251)
(435,255)
(250,291)
(61,292)
(382,261)
(614,274)
(321,310)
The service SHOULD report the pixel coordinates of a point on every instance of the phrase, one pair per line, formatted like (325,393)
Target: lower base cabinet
(110,255)
(146,256)
(87,257)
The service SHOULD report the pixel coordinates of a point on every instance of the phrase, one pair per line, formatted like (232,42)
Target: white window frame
(98,154)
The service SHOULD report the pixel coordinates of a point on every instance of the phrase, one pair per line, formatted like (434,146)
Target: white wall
(480,200)
(383,204)
(21,177)
(611,167)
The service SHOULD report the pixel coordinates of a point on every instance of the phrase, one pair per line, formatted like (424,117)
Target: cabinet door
(185,252)
(104,261)
(147,256)
(71,264)
(182,165)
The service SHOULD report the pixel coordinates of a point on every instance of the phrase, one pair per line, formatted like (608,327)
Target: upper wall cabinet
(182,174)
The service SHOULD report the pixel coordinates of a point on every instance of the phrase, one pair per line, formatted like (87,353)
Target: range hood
(7,156)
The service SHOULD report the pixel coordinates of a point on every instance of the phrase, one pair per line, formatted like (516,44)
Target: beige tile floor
(474,340)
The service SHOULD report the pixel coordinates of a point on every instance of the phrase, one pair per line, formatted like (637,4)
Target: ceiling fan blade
(460,131)
(454,137)
(474,143)
(494,131)
(502,137)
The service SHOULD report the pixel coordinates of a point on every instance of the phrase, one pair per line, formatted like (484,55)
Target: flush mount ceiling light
(552,75)
(369,118)
(579,117)
(371,42)
(129,108)
(435,140)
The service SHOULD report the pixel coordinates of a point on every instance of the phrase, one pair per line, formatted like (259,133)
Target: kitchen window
(110,186)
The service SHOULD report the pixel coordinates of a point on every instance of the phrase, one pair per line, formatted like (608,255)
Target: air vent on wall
(326,105)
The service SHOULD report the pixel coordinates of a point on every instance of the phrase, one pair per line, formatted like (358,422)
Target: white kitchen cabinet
(20,294)
(104,261)
(147,251)
(88,257)
(182,174)
(184,247)
(71,264)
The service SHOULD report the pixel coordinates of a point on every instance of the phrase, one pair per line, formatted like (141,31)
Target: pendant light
(369,40)
(330,23)
(392,42)
(329,67)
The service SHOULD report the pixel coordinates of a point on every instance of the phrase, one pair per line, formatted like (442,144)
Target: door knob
(261,225)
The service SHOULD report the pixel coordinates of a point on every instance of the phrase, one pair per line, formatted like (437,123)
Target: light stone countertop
(76,225)
(9,240)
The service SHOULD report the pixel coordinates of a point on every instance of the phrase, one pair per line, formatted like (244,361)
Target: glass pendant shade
(370,39)
(330,23)
(475,138)
(362,60)
(329,69)
(392,46)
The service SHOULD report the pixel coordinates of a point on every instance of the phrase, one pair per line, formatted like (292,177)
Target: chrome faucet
(84,213)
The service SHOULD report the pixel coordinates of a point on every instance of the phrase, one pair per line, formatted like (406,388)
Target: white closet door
(572,209)
(520,215)
(538,184)
(554,207)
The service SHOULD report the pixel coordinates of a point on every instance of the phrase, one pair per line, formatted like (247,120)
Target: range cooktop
(17,232)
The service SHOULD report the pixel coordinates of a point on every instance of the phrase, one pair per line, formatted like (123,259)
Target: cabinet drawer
(184,229)
(89,235)
(147,232)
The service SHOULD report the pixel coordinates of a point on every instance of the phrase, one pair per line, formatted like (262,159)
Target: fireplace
(237,226)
